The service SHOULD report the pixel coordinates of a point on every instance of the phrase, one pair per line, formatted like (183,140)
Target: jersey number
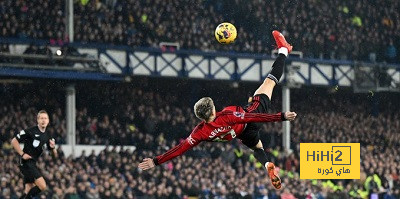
(221,138)
(233,133)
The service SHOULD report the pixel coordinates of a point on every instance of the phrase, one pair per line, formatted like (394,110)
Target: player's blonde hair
(203,108)
(42,111)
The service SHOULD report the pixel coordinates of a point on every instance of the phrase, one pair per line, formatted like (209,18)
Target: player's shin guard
(260,155)
(277,68)
(33,192)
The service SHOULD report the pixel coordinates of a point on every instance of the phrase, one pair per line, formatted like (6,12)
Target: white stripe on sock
(273,78)
(283,50)
(266,165)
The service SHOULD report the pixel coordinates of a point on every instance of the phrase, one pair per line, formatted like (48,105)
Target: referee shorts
(29,170)
(260,104)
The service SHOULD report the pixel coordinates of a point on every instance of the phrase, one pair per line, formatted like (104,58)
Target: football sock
(266,165)
(277,67)
(33,192)
(283,50)
(260,155)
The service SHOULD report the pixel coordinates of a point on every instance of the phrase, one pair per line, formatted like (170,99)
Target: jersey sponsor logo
(218,130)
(36,143)
(191,140)
(238,114)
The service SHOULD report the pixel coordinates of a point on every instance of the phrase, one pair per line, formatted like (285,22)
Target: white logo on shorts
(36,143)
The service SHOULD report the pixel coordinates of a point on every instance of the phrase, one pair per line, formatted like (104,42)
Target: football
(225,33)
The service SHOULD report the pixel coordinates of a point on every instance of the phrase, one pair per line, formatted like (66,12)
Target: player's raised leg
(284,48)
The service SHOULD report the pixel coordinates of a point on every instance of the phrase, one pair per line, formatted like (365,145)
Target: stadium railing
(126,61)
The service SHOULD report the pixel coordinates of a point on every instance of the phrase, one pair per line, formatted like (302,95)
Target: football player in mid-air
(34,139)
(239,122)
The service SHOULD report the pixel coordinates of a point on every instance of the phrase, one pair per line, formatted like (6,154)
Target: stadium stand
(349,30)
(155,120)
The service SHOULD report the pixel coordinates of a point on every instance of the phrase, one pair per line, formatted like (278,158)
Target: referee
(34,139)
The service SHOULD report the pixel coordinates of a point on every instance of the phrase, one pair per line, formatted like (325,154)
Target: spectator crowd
(151,115)
(331,29)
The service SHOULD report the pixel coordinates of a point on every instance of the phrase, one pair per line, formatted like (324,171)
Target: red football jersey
(228,124)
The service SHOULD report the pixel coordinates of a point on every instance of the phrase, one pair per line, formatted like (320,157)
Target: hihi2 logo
(329,160)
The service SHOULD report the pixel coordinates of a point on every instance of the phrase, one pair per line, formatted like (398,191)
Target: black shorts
(260,104)
(29,170)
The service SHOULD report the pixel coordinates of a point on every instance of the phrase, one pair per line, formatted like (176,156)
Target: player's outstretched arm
(242,117)
(178,150)
(147,163)
(290,115)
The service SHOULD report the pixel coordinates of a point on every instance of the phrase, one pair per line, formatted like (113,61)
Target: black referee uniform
(34,142)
